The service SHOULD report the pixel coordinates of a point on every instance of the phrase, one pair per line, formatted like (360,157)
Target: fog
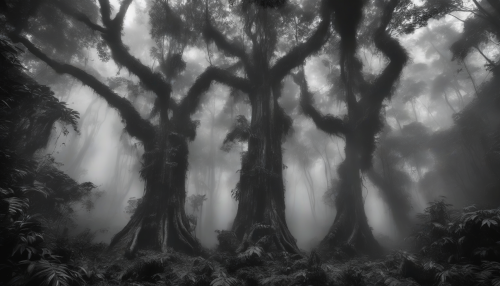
(420,124)
(250,142)
(111,158)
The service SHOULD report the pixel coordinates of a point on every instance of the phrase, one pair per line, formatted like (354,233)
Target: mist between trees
(287,125)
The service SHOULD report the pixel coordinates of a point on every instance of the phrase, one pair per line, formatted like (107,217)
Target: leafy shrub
(24,259)
(27,116)
(352,276)
(471,235)
(462,245)
(47,272)
(489,273)
(92,276)
(252,253)
(228,242)
(144,270)
(202,267)
(78,246)
(276,280)
(222,279)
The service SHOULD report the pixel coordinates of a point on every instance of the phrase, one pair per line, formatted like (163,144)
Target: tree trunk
(261,189)
(350,225)
(160,220)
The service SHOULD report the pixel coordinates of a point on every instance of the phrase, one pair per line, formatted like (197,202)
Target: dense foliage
(36,198)
(411,131)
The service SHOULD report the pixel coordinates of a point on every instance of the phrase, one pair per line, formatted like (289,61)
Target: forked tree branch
(120,16)
(122,56)
(240,132)
(299,53)
(111,33)
(232,49)
(105,12)
(371,103)
(326,123)
(135,125)
(392,49)
(494,20)
(191,101)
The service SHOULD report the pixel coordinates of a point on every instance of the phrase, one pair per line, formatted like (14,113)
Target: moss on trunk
(261,189)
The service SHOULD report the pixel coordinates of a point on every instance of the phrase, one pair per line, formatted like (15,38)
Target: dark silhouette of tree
(160,220)
(363,121)
(260,191)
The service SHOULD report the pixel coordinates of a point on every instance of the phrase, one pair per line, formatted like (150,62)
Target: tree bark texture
(361,125)
(160,220)
(261,191)
(350,225)
(261,197)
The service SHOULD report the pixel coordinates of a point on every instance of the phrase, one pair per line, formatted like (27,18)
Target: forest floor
(252,267)
(449,247)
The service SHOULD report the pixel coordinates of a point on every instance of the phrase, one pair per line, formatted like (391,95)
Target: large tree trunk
(261,189)
(160,220)
(351,225)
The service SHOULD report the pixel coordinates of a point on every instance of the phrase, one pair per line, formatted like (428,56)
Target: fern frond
(223,280)
(51,273)
(252,251)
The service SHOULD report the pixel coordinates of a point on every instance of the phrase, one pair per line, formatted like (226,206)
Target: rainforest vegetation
(250,142)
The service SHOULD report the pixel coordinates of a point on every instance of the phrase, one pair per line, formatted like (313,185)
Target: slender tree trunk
(261,193)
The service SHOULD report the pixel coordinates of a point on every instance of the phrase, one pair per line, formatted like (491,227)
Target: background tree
(463,155)
(363,120)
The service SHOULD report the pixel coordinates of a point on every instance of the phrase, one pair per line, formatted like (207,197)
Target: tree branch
(494,20)
(233,49)
(120,16)
(298,54)
(135,125)
(240,133)
(392,49)
(121,55)
(381,89)
(191,102)
(66,9)
(105,12)
(326,123)
(484,56)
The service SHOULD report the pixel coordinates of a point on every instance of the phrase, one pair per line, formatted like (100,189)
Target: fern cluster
(457,246)
(28,112)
